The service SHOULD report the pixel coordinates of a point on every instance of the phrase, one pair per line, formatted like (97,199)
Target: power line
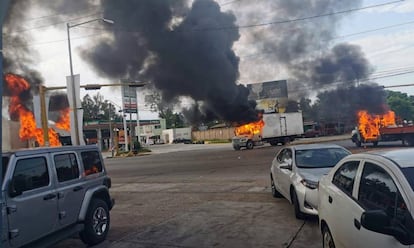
(229,2)
(297,19)
(56,14)
(52,24)
(57,41)
(338,37)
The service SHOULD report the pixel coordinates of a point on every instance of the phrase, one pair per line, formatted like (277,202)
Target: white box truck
(274,128)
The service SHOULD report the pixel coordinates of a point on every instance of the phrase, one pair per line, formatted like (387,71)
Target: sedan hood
(313,174)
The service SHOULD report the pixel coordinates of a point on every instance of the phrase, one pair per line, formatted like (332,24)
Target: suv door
(31,200)
(70,187)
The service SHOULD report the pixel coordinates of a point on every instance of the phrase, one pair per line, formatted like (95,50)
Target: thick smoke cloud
(174,47)
(344,64)
(179,46)
(341,104)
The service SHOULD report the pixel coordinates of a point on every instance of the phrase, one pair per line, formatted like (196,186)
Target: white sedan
(367,200)
(296,170)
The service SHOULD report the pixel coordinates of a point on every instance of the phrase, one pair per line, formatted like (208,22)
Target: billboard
(129,99)
(271,97)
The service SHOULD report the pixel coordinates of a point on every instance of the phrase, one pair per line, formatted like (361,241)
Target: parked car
(53,193)
(367,200)
(296,170)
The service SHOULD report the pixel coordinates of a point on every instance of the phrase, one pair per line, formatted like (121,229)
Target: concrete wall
(211,134)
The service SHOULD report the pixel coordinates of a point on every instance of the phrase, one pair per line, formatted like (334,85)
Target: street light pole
(3,10)
(74,106)
(111,142)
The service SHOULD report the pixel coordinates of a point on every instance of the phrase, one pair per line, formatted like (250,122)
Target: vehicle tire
(299,215)
(273,143)
(409,141)
(97,222)
(327,240)
(275,193)
(236,147)
(249,144)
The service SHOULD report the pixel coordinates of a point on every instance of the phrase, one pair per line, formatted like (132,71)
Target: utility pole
(4,4)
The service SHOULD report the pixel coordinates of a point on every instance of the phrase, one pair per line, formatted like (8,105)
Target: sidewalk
(321,139)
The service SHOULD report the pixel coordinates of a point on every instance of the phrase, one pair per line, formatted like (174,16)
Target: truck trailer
(273,128)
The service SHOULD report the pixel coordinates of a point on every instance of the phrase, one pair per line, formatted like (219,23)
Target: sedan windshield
(409,174)
(318,158)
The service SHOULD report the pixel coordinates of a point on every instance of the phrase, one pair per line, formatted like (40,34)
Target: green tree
(401,104)
(96,108)
(165,110)
(309,110)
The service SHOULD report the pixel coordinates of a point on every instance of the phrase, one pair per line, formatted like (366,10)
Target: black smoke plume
(342,104)
(184,51)
(173,47)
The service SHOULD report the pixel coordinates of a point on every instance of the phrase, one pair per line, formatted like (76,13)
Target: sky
(385,35)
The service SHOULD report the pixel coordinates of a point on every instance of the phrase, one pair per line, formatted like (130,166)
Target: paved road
(202,196)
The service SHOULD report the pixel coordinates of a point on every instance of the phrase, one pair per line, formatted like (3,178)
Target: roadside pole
(4,4)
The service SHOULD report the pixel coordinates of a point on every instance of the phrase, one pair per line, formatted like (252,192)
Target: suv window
(91,162)
(344,177)
(66,167)
(5,162)
(30,174)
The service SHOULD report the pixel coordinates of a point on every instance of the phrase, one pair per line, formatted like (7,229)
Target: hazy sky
(385,34)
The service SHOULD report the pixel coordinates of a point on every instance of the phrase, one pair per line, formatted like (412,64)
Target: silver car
(296,170)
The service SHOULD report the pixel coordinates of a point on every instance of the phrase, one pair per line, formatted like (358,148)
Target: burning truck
(273,128)
(375,128)
(17,87)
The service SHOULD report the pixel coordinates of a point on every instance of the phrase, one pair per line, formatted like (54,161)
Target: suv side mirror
(378,221)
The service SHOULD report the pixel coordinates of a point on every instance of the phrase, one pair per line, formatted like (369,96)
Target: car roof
(315,146)
(404,158)
(39,150)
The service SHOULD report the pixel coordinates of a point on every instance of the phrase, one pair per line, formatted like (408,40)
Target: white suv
(367,200)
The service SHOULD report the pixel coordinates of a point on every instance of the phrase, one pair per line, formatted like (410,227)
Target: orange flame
(250,128)
(369,125)
(64,120)
(28,130)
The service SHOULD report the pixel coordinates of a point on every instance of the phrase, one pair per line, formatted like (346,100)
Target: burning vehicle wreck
(273,128)
(382,127)
(19,93)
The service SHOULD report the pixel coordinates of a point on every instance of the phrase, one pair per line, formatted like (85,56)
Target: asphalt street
(203,196)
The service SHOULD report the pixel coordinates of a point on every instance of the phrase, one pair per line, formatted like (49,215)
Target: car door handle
(49,197)
(77,188)
(357,224)
(330,199)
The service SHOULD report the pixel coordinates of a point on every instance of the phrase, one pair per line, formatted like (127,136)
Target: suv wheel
(96,223)
(327,239)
